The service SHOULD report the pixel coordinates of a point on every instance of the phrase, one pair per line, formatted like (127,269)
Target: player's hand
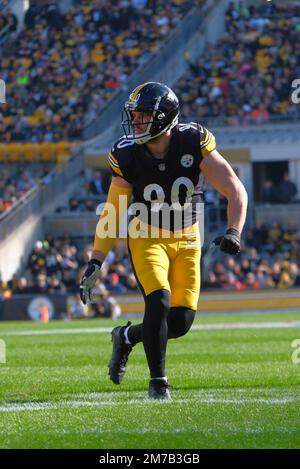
(230,243)
(89,279)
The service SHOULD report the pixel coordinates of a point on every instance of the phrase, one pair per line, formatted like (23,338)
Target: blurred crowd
(56,265)
(90,194)
(17,181)
(246,77)
(282,193)
(270,258)
(62,68)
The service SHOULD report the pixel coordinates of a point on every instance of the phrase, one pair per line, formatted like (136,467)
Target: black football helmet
(160,101)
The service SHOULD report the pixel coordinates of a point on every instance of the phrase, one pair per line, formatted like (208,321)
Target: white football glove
(89,279)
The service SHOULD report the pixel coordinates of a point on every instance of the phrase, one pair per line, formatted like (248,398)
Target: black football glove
(89,279)
(230,243)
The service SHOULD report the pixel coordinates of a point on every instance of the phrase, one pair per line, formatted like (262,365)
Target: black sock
(155,331)
(134,334)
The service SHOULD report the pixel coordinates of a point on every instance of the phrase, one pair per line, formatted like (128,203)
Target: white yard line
(115,399)
(82,330)
(196,327)
(246,325)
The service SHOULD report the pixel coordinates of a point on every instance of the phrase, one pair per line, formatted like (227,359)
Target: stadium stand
(63,67)
(260,47)
(246,76)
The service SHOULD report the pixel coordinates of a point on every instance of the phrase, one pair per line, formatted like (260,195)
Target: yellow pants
(169,263)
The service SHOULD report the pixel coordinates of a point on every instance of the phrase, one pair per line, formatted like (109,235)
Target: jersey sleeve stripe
(116,170)
(110,155)
(207,140)
(112,162)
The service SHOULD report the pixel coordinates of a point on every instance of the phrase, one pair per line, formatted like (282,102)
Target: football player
(156,165)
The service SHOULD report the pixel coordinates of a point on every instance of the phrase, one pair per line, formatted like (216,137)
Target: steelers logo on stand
(34,309)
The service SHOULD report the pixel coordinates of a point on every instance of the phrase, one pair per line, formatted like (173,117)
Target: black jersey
(165,187)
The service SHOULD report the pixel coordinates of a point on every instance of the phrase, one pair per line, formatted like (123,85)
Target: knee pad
(180,320)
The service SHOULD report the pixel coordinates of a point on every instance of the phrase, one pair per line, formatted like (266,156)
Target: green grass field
(232,387)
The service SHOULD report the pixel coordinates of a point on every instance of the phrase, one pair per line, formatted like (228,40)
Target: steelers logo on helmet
(136,98)
(187,160)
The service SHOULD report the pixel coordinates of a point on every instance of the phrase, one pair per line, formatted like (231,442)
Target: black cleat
(119,356)
(159,389)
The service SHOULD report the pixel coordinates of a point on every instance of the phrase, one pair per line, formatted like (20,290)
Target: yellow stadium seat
(119,40)
(37,54)
(262,61)
(266,40)
(33,120)
(98,56)
(26,62)
(67,52)
(54,56)
(8,120)
(39,114)
(47,151)
(62,151)
(3,152)
(154,47)
(134,51)
(14,152)
(31,152)
(284,105)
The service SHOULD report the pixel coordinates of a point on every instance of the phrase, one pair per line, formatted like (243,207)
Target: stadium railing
(274,132)
(272,119)
(5,6)
(284,214)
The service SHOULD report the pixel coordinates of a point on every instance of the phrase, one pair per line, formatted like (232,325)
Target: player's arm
(118,199)
(119,187)
(221,176)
